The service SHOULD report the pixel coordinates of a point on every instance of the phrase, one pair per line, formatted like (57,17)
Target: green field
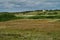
(37,14)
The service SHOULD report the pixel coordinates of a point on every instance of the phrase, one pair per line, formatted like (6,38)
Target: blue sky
(26,5)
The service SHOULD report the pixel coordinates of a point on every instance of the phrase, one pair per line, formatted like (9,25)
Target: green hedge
(44,17)
(37,17)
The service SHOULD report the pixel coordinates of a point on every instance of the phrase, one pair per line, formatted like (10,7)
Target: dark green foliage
(40,14)
(58,16)
(52,13)
(21,17)
(5,17)
(53,17)
(37,17)
(44,17)
(55,13)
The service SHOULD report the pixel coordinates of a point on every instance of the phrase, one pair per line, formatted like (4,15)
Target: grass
(5,16)
(36,27)
(29,35)
(26,30)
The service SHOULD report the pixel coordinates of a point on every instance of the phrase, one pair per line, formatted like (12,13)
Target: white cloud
(11,4)
(7,4)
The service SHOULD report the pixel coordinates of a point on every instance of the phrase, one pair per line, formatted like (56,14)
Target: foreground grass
(34,34)
(44,33)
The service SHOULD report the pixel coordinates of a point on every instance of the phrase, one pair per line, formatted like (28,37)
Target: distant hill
(35,12)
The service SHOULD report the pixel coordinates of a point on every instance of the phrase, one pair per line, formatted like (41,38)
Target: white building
(44,10)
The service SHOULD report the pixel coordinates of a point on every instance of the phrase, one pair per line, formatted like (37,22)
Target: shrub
(5,17)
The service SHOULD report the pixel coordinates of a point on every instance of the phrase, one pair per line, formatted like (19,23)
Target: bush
(5,17)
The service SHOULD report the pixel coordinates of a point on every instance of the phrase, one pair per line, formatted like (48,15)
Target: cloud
(19,5)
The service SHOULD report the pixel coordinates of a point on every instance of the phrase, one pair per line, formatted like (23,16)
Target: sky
(28,5)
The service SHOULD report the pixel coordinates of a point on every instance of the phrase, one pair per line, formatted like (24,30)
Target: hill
(30,25)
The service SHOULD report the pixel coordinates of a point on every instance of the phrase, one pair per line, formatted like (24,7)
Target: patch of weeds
(54,35)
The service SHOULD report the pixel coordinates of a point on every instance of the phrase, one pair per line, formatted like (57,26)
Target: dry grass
(29,23)
(31,29)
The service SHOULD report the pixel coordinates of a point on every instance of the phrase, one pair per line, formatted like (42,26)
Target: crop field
(30,29)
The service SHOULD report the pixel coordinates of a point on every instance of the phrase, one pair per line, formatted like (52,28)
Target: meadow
(34,27)
(30,29)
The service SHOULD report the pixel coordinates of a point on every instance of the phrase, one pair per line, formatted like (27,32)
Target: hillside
(30,25)
(37,14)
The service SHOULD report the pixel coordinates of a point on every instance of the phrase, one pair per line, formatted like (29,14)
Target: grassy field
(30,25)
(30,29)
